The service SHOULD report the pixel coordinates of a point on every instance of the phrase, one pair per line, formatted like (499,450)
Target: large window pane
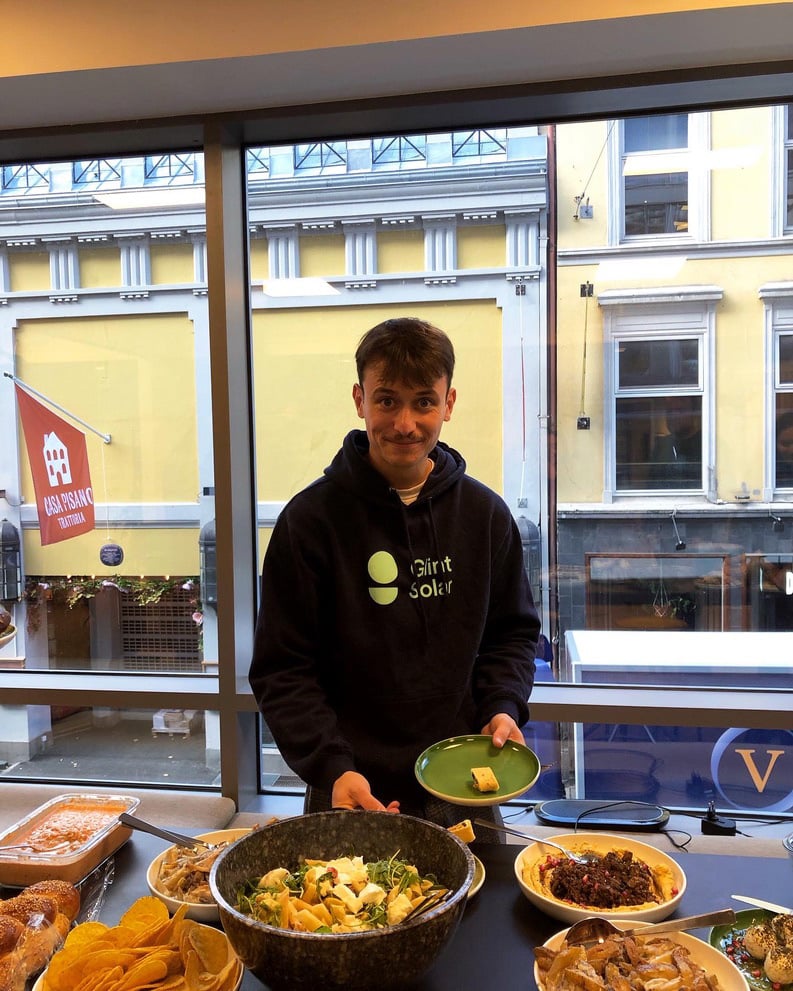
(106,327)
(332,258)
(565,405)
(656,203)
(664,131)
(74,744)
(659,443)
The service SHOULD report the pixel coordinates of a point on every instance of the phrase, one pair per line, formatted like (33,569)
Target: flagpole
(27,388)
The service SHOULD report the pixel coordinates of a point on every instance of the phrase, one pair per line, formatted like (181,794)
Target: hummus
(538,874)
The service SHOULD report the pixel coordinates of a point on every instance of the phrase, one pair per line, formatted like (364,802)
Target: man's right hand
(352,791)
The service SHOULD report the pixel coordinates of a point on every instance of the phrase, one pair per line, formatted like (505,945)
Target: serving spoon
(180,839)
(588,932)
(578,858)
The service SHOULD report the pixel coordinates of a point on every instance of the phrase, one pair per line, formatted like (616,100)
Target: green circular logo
(382,569)
(383,596)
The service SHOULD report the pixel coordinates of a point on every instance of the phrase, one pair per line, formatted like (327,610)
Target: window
(784,412)
(778,298)
(659,367)
(320,157)
(657,177)
(116,358)
(778,452)
(186,403)
(656,592)
(480,143)
(96,172)
(788,166)
(22,177)
(399,151)
(170,168)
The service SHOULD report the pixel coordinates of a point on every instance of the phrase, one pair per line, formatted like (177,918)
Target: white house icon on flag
(56,457)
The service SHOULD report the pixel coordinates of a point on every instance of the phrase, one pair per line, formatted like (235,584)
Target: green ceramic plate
(479,877)
(444,769)
(729,939)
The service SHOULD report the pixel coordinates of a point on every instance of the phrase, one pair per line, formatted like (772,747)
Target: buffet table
(494,942)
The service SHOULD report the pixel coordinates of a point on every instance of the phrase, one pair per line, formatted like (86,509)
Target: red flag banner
(61,477)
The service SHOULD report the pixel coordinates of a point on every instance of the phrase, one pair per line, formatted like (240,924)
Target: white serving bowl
(200,912)
(708,957)
(600,843)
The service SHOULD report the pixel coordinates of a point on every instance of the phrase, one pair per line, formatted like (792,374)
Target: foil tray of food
(64,839)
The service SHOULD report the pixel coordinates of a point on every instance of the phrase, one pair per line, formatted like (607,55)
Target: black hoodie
(384,628)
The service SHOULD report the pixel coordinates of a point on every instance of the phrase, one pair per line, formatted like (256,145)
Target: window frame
(781,149)
(699,225)
(778,318)
(646,315)
(224,139)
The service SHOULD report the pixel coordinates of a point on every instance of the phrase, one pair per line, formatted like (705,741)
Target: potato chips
(147,949)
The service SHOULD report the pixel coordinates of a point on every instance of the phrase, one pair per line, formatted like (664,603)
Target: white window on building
(782,170)
(789,167)
(658,178)
(778,300)
(659,381)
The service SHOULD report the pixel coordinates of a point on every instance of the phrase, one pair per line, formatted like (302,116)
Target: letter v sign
(751,767)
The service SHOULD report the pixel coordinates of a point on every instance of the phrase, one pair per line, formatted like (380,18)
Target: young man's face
(403,423)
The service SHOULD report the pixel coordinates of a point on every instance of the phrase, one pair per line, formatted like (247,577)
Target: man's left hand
(502,728)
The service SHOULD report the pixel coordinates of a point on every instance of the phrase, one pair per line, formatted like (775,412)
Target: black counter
(493,946)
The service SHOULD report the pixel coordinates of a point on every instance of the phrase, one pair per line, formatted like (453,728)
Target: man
(395,607)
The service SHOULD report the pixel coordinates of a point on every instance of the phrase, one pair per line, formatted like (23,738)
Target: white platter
(600,843)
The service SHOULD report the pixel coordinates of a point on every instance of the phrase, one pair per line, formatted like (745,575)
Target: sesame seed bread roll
(27,907)
(63,893)
(10,931)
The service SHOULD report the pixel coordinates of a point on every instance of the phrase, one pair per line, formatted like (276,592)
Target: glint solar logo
(383,569)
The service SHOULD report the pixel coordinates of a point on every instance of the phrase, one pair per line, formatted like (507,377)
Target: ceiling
(615,46)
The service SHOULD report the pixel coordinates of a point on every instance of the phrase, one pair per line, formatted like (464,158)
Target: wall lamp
(208,563)
(10,562)
(681,544)
(778,524)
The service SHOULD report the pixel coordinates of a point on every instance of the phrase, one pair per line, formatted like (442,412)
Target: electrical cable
(579,198)
(582,408)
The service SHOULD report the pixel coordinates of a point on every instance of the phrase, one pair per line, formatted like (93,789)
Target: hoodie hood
(352,470)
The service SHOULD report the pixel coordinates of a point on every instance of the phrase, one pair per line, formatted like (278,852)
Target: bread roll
(10,931)
(37,944)
(30,907)
(64,894)
(33,925)
(12,976)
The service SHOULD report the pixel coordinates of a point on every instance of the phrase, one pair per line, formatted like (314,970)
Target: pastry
(484,779)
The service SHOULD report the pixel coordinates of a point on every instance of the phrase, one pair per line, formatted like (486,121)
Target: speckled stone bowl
(384,958)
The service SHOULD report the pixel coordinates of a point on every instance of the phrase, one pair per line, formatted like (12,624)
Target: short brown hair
(410,350)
